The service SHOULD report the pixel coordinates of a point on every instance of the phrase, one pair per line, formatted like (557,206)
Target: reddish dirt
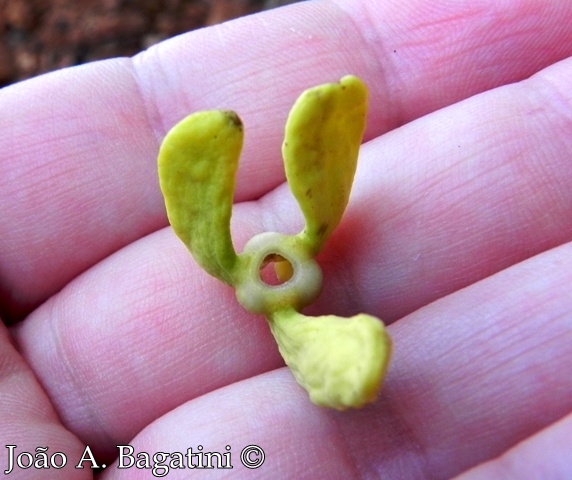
(37,36)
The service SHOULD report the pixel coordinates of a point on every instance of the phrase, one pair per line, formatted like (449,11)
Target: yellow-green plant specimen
(341,362)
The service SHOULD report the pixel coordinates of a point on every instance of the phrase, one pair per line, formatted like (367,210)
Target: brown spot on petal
(322,230)
(234,118)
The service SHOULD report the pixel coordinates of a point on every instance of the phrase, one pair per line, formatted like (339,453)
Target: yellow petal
(284,270)
(341,362)
(323,135)
(197,167)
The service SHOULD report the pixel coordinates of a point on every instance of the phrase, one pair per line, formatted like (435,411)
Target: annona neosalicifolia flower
(340,361)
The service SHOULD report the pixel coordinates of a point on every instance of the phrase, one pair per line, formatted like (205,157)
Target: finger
(79,146)
(269,414)
(473,374)
(544,455)
(396,48)
(28,422)
(160,306)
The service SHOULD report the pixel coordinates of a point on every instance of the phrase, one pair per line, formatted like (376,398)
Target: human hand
(457,234)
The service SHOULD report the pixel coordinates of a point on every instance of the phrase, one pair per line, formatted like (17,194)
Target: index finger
(79,146)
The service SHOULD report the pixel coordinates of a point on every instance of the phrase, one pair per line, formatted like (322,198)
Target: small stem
(299,290)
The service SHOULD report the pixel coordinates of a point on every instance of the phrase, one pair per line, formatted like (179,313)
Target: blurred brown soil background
(38,36)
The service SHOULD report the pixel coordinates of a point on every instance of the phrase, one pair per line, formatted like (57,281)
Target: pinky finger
(32,439)
(548,454)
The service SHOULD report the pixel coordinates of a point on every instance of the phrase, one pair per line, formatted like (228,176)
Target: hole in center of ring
(275,270)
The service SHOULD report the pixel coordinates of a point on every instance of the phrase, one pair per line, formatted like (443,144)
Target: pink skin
(458,235)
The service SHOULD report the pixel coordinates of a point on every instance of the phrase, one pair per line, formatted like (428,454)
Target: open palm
(457,235)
